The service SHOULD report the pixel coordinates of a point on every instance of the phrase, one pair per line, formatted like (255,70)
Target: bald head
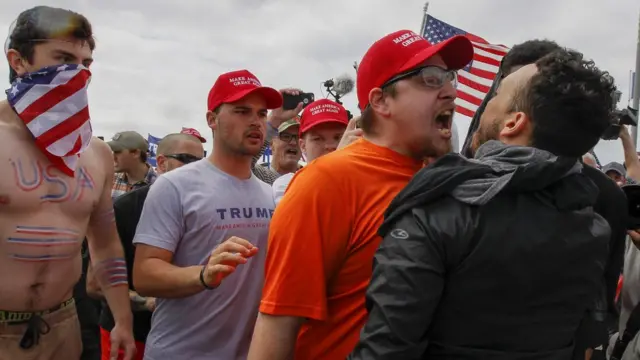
(174,150)
(171,142)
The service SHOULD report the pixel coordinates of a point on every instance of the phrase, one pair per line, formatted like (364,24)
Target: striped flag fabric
(475,80)
(53,104)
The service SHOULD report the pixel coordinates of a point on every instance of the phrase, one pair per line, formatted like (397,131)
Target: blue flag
(153,149)
(266,155)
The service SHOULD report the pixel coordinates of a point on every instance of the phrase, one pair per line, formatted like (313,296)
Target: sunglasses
(287,137)
(433,77)
(184,158)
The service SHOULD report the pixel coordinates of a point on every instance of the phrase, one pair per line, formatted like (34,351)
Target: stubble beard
(482,135)
(241,150)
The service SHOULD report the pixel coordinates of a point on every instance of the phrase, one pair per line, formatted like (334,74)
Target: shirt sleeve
(161,222)
(308,238)
(404,292)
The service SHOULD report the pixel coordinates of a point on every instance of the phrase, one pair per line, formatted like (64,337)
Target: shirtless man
(54,191)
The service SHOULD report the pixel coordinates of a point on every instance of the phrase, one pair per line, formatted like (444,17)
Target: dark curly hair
(568,101)
(44,22)
(527,53)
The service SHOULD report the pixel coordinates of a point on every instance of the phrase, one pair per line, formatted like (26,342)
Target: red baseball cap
(193,132)
(235,85)
(322,111)
(401,51)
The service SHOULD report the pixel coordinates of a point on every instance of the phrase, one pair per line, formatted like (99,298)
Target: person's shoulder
(283,180)
(100,148)
(336,161)
(98,155)
(132,197)
(609,190)
(8,117)
(265,174)
(444,219)
(188,171)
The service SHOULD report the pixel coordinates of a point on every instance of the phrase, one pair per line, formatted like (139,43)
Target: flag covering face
(475,80)
(53,104)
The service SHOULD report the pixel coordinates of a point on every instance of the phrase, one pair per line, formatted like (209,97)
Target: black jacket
(506,276)
(602,317)
(611,205)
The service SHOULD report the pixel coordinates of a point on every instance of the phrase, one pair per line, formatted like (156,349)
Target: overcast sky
(155,61)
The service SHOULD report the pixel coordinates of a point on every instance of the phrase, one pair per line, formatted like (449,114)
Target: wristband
(204,283)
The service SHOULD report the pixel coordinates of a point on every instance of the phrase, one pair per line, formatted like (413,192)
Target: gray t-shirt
(189,211)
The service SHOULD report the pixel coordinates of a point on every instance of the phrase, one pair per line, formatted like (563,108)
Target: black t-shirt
(128,209)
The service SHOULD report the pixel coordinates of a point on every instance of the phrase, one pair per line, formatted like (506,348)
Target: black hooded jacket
(490,258)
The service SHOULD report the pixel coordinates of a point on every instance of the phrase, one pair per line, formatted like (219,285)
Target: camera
(339,87)
(619,118)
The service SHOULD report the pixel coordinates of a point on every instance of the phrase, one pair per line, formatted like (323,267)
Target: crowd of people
(384,244)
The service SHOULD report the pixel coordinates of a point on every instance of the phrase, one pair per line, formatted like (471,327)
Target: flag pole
(424,18)
(636,92)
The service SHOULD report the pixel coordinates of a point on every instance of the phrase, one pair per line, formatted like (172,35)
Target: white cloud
(156,60)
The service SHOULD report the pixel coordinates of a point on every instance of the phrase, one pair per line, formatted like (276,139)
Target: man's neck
(232,164)
(284,169)
(138,174)
(389,143)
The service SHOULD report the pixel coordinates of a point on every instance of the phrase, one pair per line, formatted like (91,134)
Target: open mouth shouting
(293,152)
(444,121)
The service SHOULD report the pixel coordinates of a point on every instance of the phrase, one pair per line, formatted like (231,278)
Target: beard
(485,133)
(240,149)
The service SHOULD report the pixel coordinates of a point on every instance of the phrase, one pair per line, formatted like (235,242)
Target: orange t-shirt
(322,239)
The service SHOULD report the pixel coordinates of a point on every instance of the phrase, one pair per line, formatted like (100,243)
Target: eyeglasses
(287,137)
(184,158)
(433,76)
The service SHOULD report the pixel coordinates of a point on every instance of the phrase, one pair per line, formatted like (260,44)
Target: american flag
(54,108)
(475,80)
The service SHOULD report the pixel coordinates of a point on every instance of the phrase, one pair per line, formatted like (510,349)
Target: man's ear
(137,153)
(303,145)
(211,119)
(161,162)
(378,102)
(517,124)
(17,62)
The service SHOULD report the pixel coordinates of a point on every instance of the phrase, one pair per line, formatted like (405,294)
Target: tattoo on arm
(106,217)
(111,272)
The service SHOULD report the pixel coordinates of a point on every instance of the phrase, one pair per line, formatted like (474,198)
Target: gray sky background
(156,60)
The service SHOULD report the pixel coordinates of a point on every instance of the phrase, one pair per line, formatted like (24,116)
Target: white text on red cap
(324,108)
(407,38)
(242,80)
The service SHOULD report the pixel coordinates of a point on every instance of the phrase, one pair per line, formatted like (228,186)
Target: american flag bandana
(53,104)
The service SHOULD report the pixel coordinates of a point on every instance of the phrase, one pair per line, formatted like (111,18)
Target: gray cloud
(156,60)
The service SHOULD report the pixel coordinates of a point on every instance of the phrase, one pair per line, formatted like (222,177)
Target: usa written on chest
(32,175)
